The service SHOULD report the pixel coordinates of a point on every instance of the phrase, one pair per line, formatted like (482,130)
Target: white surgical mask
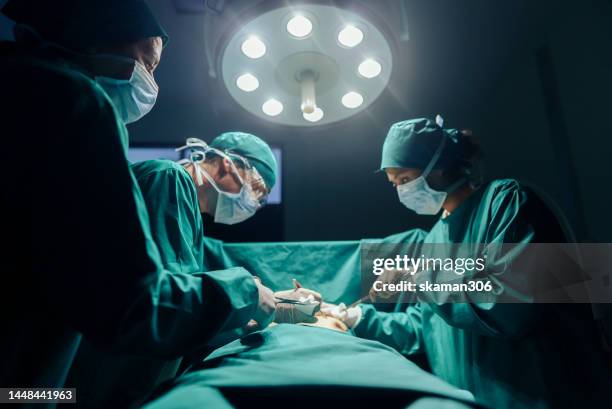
(418,196)
(231,208)
(133,98)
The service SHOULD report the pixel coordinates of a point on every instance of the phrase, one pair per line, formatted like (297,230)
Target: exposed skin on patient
(326,321)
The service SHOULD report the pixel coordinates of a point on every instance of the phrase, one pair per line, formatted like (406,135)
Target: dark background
(531,78)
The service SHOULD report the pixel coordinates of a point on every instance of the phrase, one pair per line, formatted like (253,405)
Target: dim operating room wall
(6,26)
(580,43)
(558,139)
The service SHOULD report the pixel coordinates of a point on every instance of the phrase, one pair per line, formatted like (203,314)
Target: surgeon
(81,259)
(511,354)
(229,179)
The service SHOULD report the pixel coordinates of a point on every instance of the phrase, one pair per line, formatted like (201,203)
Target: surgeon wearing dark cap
(82,259)
(507,350)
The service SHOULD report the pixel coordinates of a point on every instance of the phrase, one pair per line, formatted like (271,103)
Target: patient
(307,364)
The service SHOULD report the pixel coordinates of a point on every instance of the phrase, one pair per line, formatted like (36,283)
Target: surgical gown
(80,259)
(120,380)
(508,355)
(176,223)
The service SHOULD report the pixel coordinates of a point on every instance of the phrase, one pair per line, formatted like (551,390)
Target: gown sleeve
(401,331)
(176,224)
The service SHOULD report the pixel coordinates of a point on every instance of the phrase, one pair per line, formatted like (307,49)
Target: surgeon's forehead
(150,50)
(147,51)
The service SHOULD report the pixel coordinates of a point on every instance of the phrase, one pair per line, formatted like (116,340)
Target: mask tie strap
(460,182)
(435,157)
(198,172)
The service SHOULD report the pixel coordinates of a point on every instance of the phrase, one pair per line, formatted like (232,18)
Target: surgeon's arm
(94,260)
(174,215)
(399,330)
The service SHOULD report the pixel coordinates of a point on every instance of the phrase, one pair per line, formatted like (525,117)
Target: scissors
(281,300)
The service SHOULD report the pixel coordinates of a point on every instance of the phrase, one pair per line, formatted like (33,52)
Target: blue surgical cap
(252,148)
(412,144)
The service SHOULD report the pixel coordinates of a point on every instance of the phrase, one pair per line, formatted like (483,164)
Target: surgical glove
(266,306)
(291,314)
(350,316)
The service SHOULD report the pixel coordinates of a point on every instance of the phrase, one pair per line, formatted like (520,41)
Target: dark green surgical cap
(252,148)
(81,24)
(412,144)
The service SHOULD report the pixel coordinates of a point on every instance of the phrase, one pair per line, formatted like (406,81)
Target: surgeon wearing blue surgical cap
(509,353)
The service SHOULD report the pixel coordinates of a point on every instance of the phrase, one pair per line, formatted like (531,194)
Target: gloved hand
(350,316)
(266,307)
(291,314)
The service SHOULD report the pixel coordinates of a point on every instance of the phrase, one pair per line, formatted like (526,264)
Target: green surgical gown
(120,380)
(508,355)
(176,223)
(81,259)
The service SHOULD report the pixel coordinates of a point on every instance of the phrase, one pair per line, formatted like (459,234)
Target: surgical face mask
(231,208)
(133,98)
(418,196)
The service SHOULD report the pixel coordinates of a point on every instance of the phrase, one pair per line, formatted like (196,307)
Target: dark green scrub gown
(81,259)
(176,223)
(508,355)
(297,366)
(121,380)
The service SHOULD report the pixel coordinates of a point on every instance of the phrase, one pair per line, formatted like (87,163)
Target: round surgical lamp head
(305,66)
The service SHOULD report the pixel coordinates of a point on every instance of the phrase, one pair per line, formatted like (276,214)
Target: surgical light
(272,107)
(305,66)
(247,82)
(299,26)
(370,68)
(253,47)
(307,83)
(350,36)
(352,100)
(315,116)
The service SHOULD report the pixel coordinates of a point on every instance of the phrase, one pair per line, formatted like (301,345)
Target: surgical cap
(81,24)
(256,151)
(412,144)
